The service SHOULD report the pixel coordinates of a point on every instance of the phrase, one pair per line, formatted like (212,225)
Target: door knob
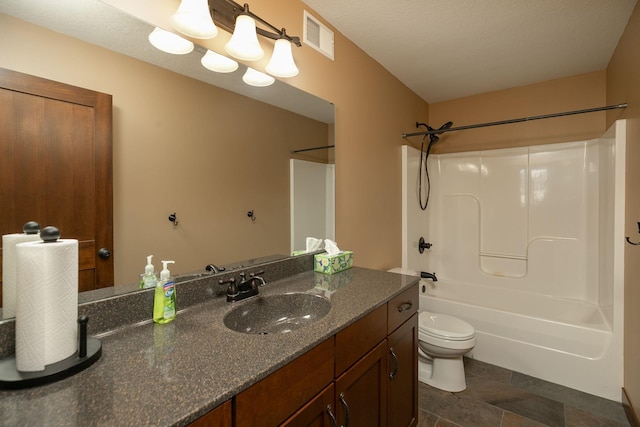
(104,253)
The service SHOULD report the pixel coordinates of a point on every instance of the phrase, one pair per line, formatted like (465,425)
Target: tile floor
(498,397)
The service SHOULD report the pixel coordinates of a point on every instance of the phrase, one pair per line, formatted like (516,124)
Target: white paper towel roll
(46,303)
(9,242)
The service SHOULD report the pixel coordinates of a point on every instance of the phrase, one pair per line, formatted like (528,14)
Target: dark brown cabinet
(365,375)
(218,417)
(270,401)
(403,372)
(319,412)
(361,392)
(402,344)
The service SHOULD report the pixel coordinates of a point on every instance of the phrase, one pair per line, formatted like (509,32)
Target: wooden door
(361,392)
(403,375)
(56,166)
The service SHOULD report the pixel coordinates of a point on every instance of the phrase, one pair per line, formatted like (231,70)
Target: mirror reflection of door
(56,167)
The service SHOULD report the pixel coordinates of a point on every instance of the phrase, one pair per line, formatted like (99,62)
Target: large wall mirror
(186,140)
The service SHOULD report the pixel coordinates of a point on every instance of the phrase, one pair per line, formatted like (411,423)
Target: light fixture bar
(224,13)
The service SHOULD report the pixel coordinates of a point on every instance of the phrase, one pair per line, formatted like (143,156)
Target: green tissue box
(331,264)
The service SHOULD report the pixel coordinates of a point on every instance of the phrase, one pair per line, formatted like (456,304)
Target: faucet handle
(256,273)
(232,290)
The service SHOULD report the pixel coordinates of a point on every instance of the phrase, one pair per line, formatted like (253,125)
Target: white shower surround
(528,247)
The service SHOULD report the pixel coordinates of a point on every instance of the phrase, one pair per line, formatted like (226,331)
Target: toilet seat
(444,326)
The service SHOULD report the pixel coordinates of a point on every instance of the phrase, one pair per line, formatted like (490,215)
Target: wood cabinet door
(275,398)
(403,375)
(361,392)
(218,417)
(56,166)
(319,412)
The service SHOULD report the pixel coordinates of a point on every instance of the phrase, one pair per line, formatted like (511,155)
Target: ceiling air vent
(317,35)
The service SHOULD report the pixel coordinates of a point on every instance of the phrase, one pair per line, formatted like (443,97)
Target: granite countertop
(170,375)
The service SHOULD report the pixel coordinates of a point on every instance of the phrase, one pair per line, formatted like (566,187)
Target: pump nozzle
(165,274)
(149,268)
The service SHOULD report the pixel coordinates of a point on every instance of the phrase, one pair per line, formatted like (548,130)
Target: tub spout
(426,275)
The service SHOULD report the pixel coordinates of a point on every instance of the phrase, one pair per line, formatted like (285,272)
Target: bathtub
(563,341)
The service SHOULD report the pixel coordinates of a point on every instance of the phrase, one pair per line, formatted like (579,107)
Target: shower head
(446,126)
(433,137)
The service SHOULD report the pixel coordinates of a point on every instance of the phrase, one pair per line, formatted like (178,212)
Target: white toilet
(442,340)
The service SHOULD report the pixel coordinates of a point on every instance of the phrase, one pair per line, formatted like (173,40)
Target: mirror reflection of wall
(312,202)
(180,145)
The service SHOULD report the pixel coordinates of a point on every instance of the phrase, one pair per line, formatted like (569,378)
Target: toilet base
(443,373)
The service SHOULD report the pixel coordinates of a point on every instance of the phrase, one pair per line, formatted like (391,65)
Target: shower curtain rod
(524,119)
(324,147)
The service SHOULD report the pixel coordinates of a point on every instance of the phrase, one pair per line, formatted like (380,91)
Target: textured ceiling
(447,49)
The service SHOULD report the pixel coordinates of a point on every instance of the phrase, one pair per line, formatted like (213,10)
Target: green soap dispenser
(149,279)
(164,301)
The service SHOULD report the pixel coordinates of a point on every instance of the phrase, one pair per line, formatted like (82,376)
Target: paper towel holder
(89,351)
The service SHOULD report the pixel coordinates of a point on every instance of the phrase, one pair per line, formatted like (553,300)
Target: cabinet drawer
(402,307)
(357,339)
(272,400)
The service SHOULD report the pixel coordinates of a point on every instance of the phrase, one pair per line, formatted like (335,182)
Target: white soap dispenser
(149,279)
(164,300)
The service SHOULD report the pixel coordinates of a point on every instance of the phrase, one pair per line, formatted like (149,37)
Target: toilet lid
(442,325)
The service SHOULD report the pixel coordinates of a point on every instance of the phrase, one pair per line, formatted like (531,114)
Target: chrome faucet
(426,275)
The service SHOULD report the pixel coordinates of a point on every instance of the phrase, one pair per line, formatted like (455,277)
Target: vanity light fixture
(193,19)
(218,63)
(200,19)
(281,63)
(256,78)
(244,42)
(169,42)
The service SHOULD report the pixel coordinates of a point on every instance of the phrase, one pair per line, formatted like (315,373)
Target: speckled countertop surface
(170,375)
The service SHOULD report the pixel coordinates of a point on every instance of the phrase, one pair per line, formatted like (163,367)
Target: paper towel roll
(46,303)
(9,242)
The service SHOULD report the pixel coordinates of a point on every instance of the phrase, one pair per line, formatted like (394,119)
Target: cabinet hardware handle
(332,417)
(346,410)
(393,373)
(405,306)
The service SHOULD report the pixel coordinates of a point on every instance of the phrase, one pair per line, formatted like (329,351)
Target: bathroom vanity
(358,361)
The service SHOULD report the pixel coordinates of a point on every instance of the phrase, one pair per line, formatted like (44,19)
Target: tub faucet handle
(422,245)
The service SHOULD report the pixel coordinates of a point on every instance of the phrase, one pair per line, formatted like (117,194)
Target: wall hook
(251,215)
(629,240)
(174,219)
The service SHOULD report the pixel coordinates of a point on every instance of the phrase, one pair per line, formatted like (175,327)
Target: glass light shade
(244,43)
(168,42)
(256,78)
(193,19)
(281,63)
(218,63)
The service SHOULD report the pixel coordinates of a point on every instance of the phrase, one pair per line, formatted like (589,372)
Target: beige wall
(181,146)
(555,96)
(373,109)
(623,85)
